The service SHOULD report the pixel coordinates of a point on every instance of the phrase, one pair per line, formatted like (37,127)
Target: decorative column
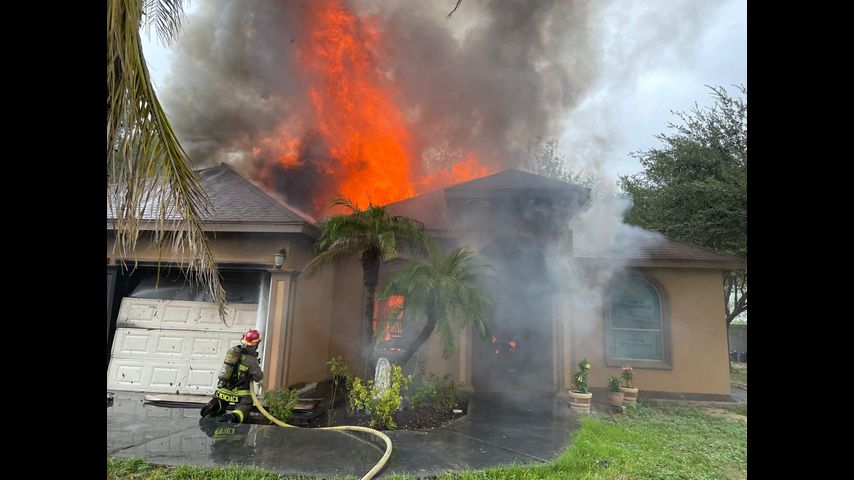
(277,338)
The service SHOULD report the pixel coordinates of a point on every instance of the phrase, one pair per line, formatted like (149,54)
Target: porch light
(279,258)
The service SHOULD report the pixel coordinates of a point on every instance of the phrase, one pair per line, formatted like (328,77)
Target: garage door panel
(175,345)
(205,348)
(165,376)
(202,377)
(127,374)
(133,343)
(185,315)
(162,377)
(245,319)
(179,316)
(139,312)
(170,345)
(167,347)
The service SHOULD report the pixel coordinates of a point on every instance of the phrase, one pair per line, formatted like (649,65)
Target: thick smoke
(497,75)
(488,80)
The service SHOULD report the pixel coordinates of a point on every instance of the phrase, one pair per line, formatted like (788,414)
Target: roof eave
(256,227)
(667,263)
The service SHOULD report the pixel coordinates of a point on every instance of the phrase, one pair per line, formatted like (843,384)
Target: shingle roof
(514,179)
(235,199)
(429,208)
(634,243)
(631,243)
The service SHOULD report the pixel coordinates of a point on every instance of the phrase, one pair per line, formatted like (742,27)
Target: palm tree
(149,178)
(443,287)
(374,235)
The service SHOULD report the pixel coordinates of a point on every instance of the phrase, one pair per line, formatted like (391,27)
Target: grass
(648,442)
(136,468)
(740,373)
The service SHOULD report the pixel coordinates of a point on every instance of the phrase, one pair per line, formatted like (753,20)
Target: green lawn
(646,443)
(740,377)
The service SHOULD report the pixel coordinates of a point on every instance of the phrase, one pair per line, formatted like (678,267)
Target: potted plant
(579,397)
(615,395)
(630,395)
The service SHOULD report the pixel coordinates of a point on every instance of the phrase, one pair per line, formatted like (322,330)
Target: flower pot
(616,398)
(630,396)
(580,402)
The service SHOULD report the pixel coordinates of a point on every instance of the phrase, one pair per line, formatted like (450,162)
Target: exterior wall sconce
(279,258)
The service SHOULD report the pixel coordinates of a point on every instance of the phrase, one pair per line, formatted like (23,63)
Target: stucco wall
(309,344)
(347,310)
(698,337)
(229,247)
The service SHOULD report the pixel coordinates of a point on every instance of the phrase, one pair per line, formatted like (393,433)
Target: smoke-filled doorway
(517,355)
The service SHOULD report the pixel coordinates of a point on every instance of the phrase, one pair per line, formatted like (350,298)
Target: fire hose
(352,428)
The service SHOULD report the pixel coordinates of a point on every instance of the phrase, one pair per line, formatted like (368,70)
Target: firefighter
(241,366)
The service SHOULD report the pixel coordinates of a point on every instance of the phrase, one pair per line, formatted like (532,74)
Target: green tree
(694,187)
(546,158)
(148,173)
(375,236)
(439,289)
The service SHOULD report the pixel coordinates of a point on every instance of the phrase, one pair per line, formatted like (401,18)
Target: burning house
(291,103)
(644,299)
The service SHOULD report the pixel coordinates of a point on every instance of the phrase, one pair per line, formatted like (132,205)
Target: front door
(517,355)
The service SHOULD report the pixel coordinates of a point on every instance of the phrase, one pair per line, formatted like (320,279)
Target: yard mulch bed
(405,419)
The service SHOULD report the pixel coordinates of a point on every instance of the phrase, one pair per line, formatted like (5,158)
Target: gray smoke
(487,81)
(496,75)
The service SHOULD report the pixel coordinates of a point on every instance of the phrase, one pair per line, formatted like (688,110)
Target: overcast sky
(627,108)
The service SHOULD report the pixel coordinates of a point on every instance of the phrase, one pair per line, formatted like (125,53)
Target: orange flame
(352,109)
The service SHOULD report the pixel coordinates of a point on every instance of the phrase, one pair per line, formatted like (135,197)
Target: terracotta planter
(580,402)
(630,396)
(616,398)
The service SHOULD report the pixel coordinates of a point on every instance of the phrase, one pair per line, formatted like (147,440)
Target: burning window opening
(391,324)
(507,345)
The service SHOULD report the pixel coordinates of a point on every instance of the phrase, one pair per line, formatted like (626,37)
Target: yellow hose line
(383,436)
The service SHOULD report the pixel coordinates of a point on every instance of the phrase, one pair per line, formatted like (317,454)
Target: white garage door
(173,346)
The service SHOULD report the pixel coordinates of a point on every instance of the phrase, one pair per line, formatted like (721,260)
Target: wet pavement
(495,431)
(739,394)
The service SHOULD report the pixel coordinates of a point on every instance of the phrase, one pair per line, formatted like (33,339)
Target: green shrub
(340,379)
(438,393)
(579,379)
(614,384)
(281,402)
(381,405)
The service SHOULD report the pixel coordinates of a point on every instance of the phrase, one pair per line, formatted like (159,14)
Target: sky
(626,108)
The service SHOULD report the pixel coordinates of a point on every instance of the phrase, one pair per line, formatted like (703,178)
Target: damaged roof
(515,179)
(238,204)
(631,243)
(638,244)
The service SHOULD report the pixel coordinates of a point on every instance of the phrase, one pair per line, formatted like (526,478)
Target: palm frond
(448,286)
(343,247)
(167,16)
(149,174)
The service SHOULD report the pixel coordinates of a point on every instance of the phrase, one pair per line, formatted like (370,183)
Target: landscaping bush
(381,405)
(340,379)
(281,402)
(437,393)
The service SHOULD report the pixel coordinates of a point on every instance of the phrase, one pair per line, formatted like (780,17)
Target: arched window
(637,324)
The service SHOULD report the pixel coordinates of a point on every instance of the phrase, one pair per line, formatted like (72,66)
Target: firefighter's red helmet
(252,337)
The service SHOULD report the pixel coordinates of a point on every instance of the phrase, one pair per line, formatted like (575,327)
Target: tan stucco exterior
(313,318)
(697,337)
